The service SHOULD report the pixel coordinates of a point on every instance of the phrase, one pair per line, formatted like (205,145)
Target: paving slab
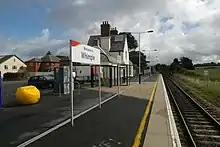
(158,131)
(115,124)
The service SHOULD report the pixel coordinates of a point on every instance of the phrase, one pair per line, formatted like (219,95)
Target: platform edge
(172,125)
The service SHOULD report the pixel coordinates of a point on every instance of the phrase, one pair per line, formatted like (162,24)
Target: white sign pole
(100,90)
(119,76)
(118,81)
(71,85)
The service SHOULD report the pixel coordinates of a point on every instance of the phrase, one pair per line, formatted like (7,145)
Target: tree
(186,63)
(175,66)
(132,42)
(134,58)
(176,61)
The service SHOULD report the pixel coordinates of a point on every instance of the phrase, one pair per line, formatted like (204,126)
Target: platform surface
(158,131)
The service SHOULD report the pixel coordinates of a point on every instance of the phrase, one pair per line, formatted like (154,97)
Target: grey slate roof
(34,60)
(106,56)
(116,46)
(50,58)
(4,58)
(92,40)
(63,58)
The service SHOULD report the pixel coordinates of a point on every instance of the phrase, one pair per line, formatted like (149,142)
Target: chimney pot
(105,29)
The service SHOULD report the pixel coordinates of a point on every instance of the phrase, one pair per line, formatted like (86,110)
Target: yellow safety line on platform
(137,140)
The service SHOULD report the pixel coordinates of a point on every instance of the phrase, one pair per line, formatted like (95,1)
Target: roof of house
(117,42)
(50,58)
(34,60)
(4,58)
(106,56)
(63,58)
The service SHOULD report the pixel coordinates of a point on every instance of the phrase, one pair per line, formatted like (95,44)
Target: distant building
(64,60)
(33,65)
(49,62)
(45,64)
(11,64)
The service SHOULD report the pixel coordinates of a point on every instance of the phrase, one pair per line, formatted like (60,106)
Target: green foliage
(198,88)
(211,64)
(177,66)
(191,73)
(134,58)
(186,63)
(214,73)
(105,82)
(132,42)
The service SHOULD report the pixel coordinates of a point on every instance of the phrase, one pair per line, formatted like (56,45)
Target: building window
(14,67)
(6,66)
(14,60)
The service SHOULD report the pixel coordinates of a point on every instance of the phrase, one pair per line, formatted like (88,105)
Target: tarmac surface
(9,89)
(18,124)
(114,125)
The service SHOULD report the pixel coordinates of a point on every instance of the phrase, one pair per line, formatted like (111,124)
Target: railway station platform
(122,121)
(161,130)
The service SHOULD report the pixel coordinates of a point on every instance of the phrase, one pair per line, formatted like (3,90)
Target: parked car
(41,81)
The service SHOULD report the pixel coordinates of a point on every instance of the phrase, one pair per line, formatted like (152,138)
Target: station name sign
(85,54)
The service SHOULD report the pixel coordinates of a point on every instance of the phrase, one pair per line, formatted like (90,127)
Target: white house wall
(13,61)
(126,53)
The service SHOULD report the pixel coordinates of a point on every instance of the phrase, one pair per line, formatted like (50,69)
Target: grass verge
(200,89)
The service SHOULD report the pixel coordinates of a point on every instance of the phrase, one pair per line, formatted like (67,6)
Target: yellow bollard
(27,95)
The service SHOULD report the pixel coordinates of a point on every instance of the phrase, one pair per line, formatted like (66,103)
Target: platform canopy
(84,54)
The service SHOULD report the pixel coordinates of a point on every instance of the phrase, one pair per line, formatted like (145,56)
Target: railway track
(196,127)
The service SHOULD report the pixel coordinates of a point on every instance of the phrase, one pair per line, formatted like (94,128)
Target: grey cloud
(69,15)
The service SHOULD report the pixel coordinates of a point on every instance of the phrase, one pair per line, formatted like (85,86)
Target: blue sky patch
(186,26)
(165,19)
(165,28)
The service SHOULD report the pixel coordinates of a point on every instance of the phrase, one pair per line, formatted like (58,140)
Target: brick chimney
(105,29)
(105,39)
(114,31)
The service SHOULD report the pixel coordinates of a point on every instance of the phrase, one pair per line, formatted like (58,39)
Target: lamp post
(139,40)
(149,58)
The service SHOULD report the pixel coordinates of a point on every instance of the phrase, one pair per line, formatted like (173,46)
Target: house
(45,64)
(11,64)
(49,63)
(64,60)
(33,65)
(112,45)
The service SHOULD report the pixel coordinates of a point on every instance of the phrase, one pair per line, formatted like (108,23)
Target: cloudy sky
(181,27)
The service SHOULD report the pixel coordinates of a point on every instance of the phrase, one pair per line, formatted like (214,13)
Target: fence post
(0,90)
